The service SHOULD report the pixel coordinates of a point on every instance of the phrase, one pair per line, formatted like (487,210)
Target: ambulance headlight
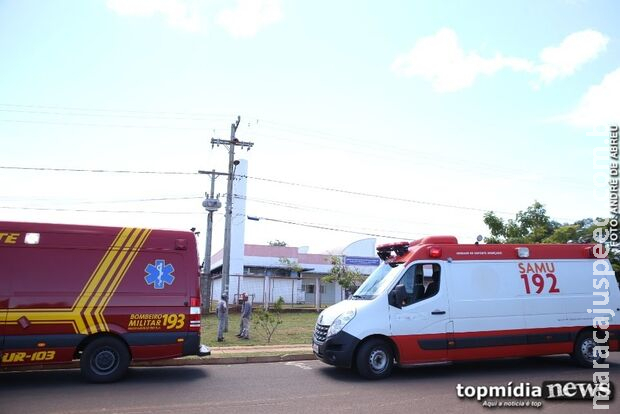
(341,322)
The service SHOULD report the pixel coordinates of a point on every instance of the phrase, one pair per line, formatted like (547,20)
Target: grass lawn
(296,328)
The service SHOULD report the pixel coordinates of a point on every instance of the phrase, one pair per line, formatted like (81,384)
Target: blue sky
(482,105)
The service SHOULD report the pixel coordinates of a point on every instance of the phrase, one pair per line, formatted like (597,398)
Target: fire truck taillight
(194,314)
(434,252)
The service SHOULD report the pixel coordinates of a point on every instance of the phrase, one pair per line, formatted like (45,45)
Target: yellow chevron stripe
(86,314)
(90,290)
(141,239)
(114,246)
(119,271)
(101,269)
(107,276)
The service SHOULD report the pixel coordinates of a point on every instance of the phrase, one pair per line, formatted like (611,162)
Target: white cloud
(440,60)
(574,51)
(249,16)
(178,13)
(599,106)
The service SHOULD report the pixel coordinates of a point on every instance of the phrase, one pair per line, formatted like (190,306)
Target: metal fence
(305,292)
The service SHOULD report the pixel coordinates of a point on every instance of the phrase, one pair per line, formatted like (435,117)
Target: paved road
(286,387)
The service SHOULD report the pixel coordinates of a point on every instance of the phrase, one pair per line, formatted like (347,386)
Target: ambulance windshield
(377,282)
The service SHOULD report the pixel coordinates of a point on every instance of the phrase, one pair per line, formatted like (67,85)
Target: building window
(309,289)
(322,289)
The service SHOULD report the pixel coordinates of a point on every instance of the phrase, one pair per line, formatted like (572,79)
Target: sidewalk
(279,349)
(224,355)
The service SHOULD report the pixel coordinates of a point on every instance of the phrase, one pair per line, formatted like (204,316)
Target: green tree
(534,226)
(268,321)
(530,226)
(348,278)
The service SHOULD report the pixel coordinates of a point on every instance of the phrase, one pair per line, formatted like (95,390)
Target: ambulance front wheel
(375,359)
(584,353)
(105,359)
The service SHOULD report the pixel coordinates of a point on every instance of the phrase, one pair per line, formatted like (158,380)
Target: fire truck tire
(584,352)
(105,359)
(375,359)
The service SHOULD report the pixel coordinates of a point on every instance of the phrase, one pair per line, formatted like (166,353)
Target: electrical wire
(276,126)
(106,125)
(101,211)
(362,194)
(198,115)
(327,227)
(271,180)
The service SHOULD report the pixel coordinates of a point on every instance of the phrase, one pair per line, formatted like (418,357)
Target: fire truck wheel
(375,359)
(105,359)
(584,353)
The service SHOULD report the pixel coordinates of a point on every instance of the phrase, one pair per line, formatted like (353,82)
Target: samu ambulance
(436,300)
(103,295)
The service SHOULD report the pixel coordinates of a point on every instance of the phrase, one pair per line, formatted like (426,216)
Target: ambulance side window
(421,281)
(408,281)
(432,273)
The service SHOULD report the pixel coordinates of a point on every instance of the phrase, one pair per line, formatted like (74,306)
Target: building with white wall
(267,273)
(271,272)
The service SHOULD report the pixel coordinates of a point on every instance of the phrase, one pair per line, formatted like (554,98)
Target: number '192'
(539,282)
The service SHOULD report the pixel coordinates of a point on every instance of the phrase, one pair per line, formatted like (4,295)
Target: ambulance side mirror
(397,296)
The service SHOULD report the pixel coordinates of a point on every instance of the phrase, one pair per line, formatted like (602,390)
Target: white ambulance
(436,300)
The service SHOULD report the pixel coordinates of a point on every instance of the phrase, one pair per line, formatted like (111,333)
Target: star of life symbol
(159,274)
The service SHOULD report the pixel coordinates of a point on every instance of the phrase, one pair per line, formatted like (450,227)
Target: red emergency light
(384,251)
(434,252)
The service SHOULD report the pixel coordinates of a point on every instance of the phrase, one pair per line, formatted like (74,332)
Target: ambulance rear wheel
(105,359)
(584,351)
(375,359)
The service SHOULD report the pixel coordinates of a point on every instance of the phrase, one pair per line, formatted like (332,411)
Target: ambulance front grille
(320,333)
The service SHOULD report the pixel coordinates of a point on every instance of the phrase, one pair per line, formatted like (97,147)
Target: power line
(305,207)
(315,187)
(98,170)
(277,126)
(141,200)
(112,111)
(362,194)
(110,115)
(102,211)
(104,125)
(326,227)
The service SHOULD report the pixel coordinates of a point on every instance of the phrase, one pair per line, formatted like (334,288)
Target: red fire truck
(103,295)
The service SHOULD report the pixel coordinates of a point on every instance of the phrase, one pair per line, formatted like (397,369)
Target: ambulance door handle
(438,312)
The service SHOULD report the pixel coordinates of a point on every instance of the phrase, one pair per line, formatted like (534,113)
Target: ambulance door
(487,310)
(419,325)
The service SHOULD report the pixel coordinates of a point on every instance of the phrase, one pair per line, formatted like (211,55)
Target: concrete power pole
(211,204)
(234,142)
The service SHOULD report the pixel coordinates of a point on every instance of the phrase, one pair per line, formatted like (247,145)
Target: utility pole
(231,144)
(211,204)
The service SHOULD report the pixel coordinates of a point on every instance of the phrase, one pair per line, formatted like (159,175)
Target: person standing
(246,315)
(222,317)
(241,304)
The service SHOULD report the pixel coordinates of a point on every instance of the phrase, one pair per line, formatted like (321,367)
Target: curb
(178,362)
(227,360)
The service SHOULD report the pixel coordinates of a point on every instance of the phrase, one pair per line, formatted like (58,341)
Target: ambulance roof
(447,248)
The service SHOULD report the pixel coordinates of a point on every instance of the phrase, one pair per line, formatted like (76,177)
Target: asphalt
(225,355)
